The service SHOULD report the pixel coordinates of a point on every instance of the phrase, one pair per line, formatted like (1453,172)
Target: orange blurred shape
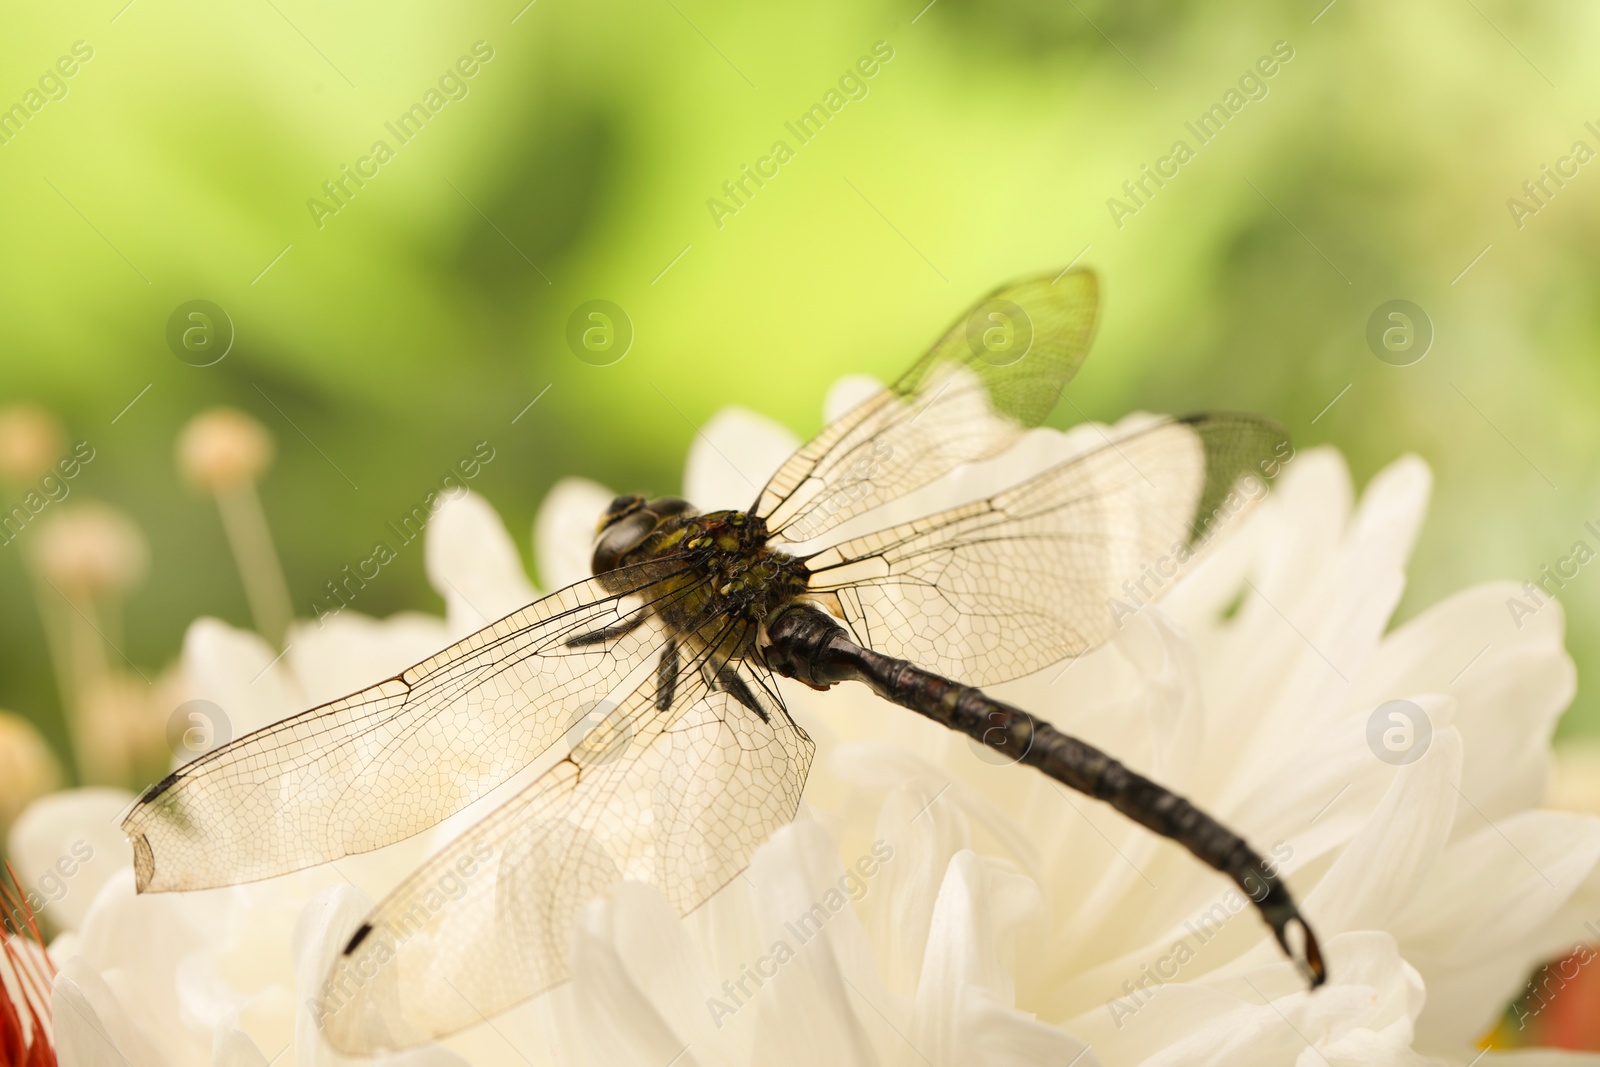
(1572,1018)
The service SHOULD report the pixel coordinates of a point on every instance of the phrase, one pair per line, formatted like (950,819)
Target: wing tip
(144,864)
(160,787)
(356,938)
(1090,276)
(131,819)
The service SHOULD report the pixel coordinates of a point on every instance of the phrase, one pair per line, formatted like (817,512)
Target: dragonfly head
(626,523)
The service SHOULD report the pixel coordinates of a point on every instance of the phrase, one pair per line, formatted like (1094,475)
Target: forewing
(390,761)
(677,797)
(996,372)
(1050,569)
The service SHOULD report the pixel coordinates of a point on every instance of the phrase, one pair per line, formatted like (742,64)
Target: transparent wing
(390,761)
(1051,568)
(678,797)
(996,372)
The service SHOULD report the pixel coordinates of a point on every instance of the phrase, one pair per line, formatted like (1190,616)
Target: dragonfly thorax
(727,568)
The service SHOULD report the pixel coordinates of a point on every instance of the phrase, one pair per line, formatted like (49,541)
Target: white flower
(1436,884)
(224,976)
(931,907)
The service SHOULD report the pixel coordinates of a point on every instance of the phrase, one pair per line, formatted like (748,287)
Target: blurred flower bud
(31,440)
(122,729)
(222,448)
(28,770)
(91,548)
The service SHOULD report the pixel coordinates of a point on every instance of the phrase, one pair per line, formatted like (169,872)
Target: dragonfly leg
(805,643)
(667,676)
(607,633)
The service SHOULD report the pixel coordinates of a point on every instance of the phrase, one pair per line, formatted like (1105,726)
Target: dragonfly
(671,654)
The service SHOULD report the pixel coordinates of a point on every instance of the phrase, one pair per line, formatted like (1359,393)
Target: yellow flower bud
(222,448)
(31,440)
(28,769)
(91,548)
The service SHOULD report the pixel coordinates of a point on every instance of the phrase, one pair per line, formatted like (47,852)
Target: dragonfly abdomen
(808,645)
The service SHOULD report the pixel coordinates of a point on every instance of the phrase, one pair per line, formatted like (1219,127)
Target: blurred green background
(380,346)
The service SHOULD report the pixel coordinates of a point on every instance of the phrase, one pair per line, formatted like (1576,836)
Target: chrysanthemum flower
(930,906)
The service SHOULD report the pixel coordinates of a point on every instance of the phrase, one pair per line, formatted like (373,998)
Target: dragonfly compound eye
(667,506)
(627,522)
(620,537)
(620,508)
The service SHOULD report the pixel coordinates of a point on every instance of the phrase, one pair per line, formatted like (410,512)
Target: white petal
(885,768)
(1312,505)
(1394,505)
(824,1005)
(1168,685)
(66,846)
(921,832)
(242,976)
(977,910)
(350,651)
(732,457)
(1511,678)
(425,1056)
(321,934)
(635,985)
(132,938)
(563,531)
(1482,920)
(1380,871)
(1350,603)
(1002,1036)
(232,1047)
(1278,670)
(965,1002)
(847,392)
(1309,626)
(91,1027)
(240,673)
(1265,1015)
(473,563)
